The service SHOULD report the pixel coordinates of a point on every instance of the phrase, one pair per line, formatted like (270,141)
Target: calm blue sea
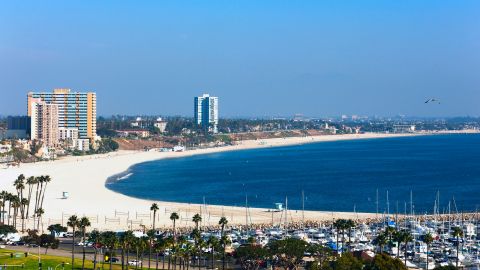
(335,176)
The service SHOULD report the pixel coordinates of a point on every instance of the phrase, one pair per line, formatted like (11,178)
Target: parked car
(114,260)
(135,263)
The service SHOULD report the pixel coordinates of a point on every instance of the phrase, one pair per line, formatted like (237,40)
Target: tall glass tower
(206,112)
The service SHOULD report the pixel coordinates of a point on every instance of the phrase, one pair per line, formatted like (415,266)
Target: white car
(135,263)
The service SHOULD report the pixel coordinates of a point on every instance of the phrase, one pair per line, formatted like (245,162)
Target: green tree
(448,267)
(48,241)
(320,253)
(347,262)
(55,229)
(251,256)
(383,261)
(289,252)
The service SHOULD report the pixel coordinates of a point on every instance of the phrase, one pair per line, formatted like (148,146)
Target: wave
(119,177)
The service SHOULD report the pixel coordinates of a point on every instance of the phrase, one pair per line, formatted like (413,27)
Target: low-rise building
(82,145)
(136,132)
(161,125)
(67,133)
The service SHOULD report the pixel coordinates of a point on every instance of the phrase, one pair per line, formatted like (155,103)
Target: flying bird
(430,100)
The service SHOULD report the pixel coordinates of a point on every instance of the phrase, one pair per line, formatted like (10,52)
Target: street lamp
(62,264)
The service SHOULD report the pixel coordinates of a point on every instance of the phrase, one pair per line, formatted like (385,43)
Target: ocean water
(334,176)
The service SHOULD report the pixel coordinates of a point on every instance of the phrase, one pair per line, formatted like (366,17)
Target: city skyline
(318,59)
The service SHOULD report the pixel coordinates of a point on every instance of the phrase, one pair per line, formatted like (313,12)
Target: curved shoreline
(86,177)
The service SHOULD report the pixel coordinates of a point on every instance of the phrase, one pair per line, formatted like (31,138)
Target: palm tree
(9,198)
(159,246)
(20,186)
(339,225)
(25,204)
(428,239)
(154,208)
(39,181)
(95,238)
(197,219)
(73,222)
(196,238)
(83,224)
(349,225)
(151,235)
(457,232)
(16,204)
(212,242)
(110,240)
(169,242)
(380,241)
(397,237)
(222,222)
(173,217)
(406,238)
(31,181)
(46,180)
(126,240)
(4,197)
(39,214)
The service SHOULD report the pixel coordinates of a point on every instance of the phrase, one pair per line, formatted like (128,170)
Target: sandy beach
(84,179)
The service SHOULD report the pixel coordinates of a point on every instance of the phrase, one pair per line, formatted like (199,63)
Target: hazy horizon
(262,59)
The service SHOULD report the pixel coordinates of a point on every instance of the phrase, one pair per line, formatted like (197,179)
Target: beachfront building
(67,133)
(404,128)
(141,133)
(81,144)
(44,122)
(206,112)
(161,125)
(75,110)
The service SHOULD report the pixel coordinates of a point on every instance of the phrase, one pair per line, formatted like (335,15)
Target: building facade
(75,109)
(206,112)
(44,122)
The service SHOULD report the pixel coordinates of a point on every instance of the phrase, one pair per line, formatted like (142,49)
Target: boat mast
(303,208)
(286,212)
(388,206)
(376,212)
(246,212)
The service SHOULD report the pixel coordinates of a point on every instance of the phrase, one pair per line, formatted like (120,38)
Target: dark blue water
(335,176)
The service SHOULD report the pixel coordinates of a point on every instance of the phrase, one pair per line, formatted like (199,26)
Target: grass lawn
(31,262)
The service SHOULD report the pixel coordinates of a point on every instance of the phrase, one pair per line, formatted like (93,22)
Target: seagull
(430,100)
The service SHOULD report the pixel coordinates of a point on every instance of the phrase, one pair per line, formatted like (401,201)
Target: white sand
(84,178)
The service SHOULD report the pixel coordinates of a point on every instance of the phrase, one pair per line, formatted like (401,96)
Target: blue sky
(319,58)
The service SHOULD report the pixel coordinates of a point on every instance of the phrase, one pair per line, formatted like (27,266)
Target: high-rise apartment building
(75,109)
(206,112)
(44,122)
